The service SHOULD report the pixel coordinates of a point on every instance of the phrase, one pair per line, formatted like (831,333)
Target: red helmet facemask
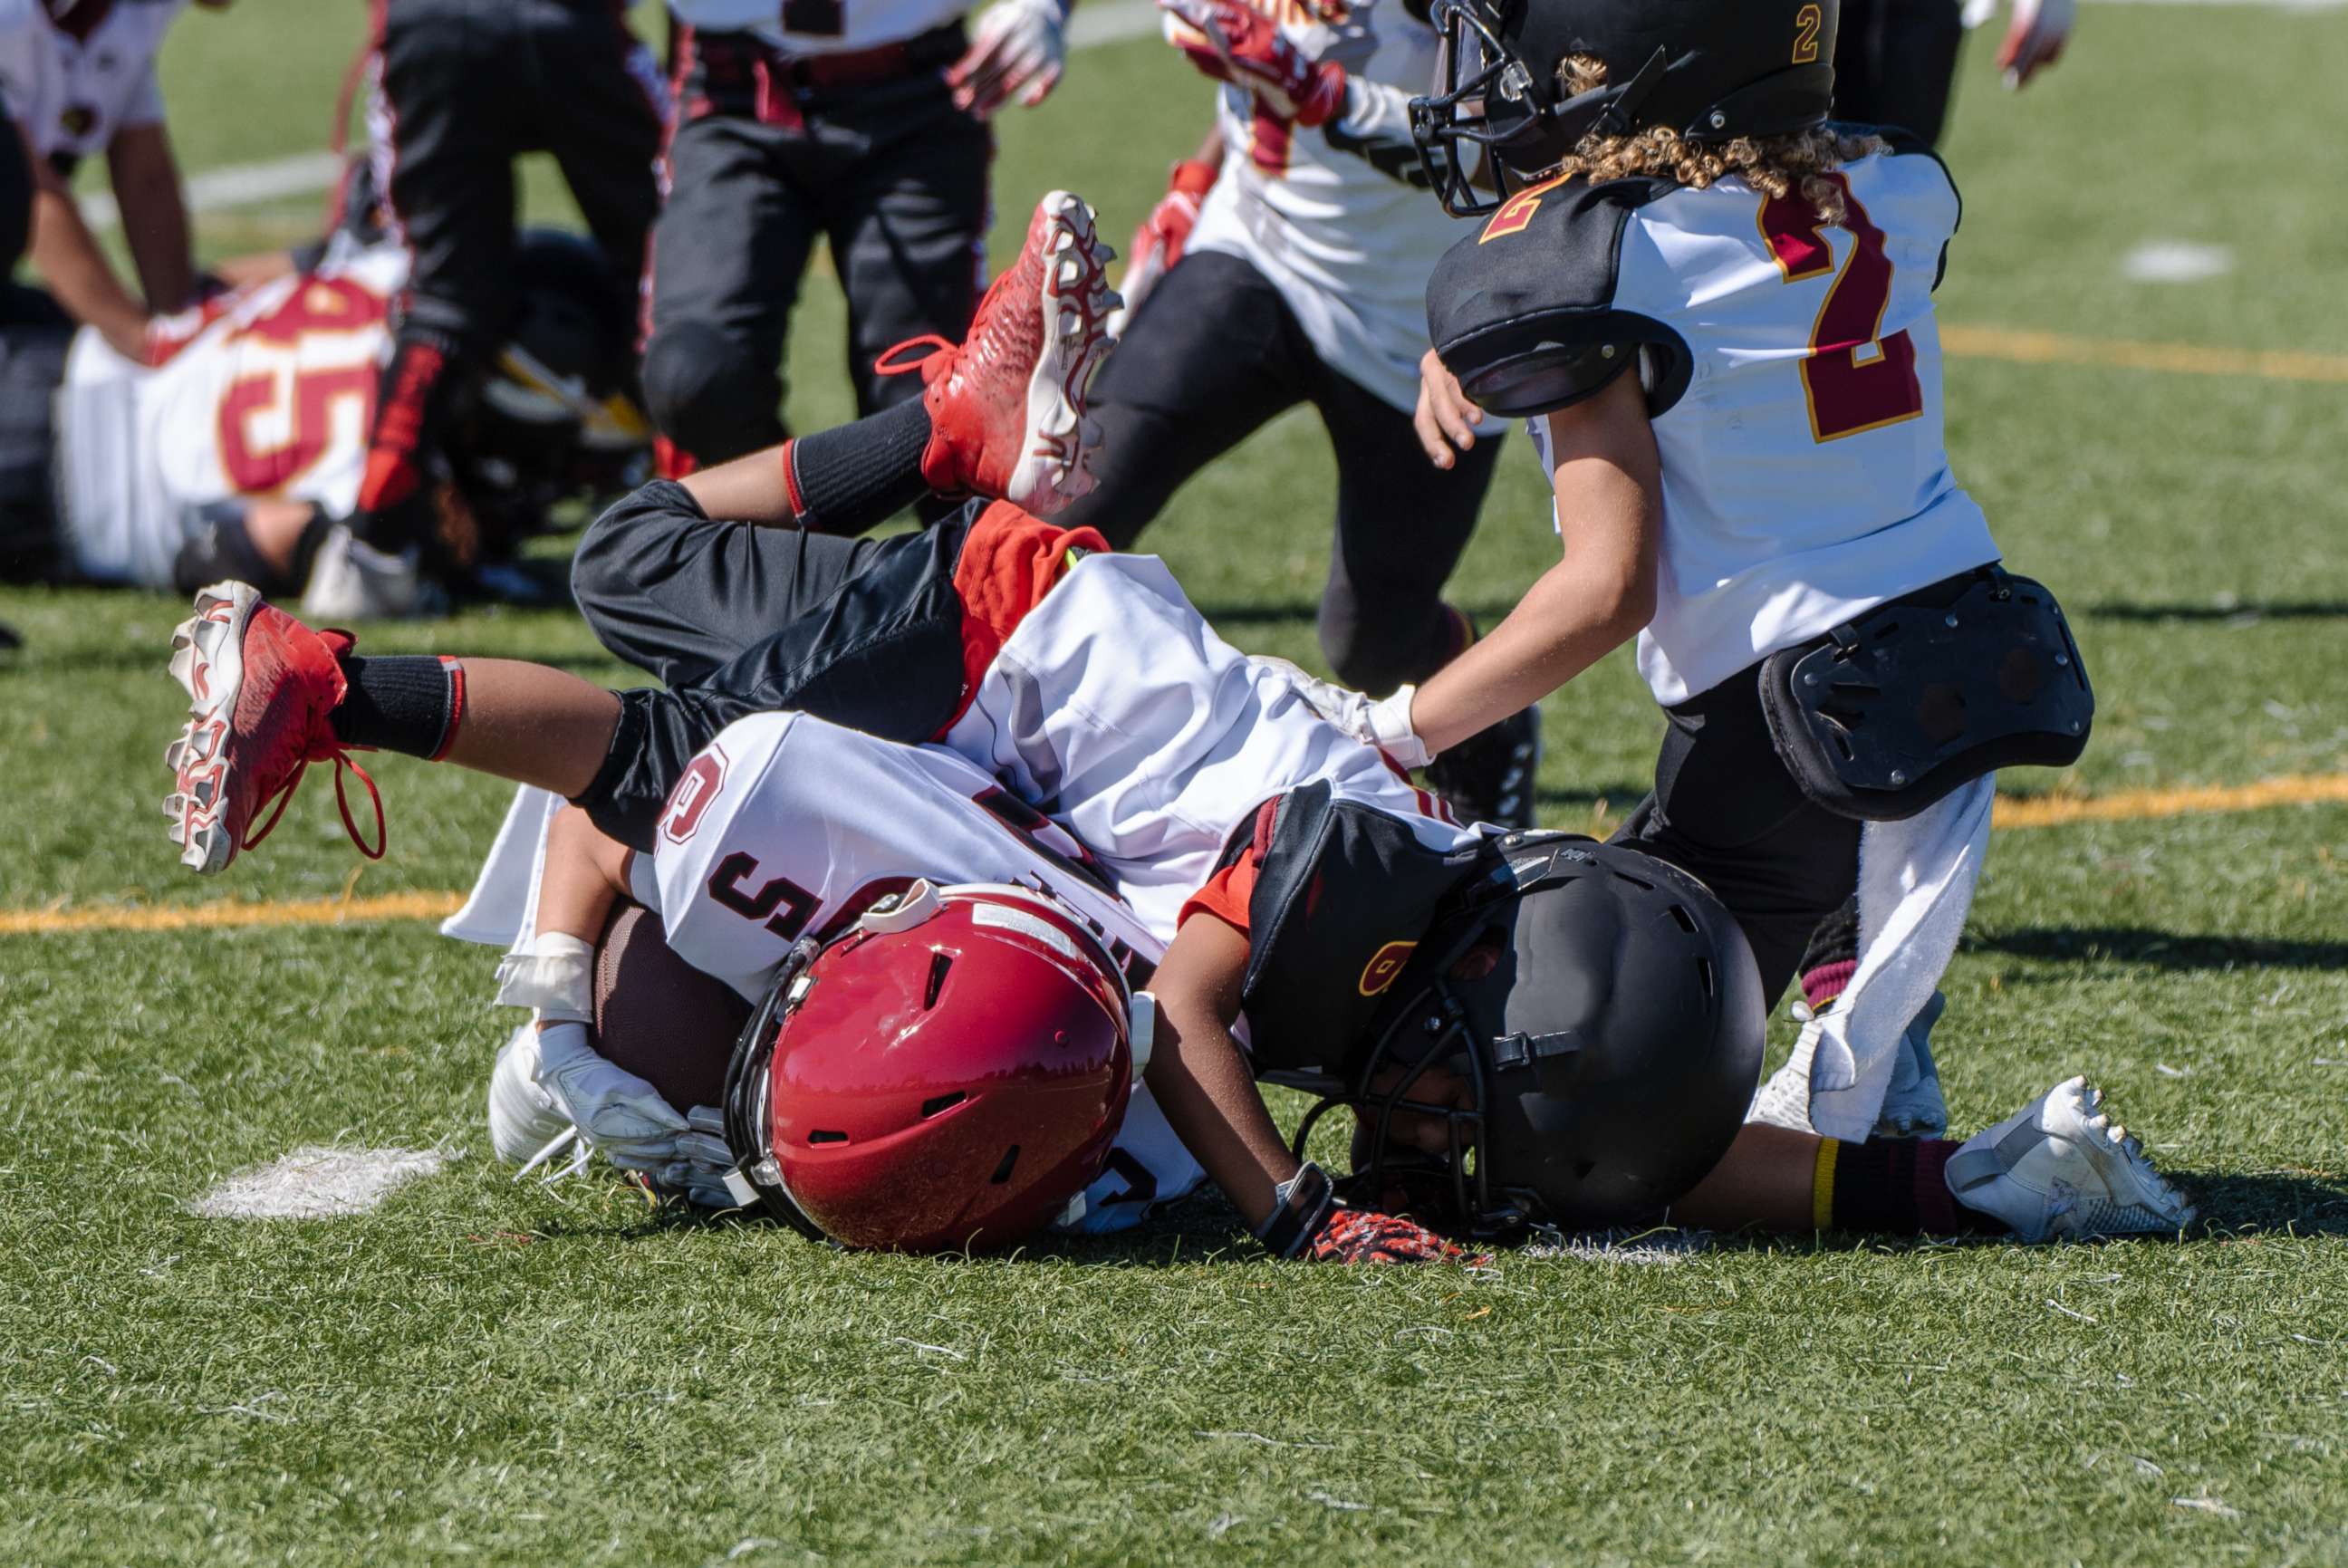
(947,1073)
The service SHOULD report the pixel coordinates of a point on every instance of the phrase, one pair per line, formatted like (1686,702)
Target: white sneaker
(353,582)
(1912,1106)
(2061,1167)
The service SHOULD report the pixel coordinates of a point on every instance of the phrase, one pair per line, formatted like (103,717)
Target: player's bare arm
(1608,483)
(65,254)
(146,177)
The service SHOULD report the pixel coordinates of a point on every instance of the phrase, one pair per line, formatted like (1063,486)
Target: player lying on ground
(1215,800)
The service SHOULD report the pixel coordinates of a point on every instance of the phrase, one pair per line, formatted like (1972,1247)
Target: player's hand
(1158,244)
(1366,1236)
(1444,419)
(1383,722)
(626,1119)
(1019,49)
(698,1173)
(2035,37)
(1234,44)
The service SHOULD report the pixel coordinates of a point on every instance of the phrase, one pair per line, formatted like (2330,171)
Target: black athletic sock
(409,703)
(1892,1187)
(855,477)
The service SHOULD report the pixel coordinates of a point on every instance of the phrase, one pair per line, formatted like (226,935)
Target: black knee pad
(709,395)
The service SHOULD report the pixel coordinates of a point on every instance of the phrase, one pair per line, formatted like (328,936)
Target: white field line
(1093,26)
(314,1182)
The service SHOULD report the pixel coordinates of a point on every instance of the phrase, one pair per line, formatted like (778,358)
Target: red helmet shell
(951,1077)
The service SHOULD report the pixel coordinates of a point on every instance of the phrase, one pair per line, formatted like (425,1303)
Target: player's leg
(604,127)
(1896,63)
(1212,355)
(904,180)
(728,252)
(443,64)
(2058,1167)
(35,337)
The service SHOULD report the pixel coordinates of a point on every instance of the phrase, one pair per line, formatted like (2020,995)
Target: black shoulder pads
(1523,312)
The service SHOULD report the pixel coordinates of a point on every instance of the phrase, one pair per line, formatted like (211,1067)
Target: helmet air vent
(941,1103)
(939,963)
(1003,1172)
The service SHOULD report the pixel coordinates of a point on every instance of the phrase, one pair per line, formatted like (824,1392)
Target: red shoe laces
(340,755)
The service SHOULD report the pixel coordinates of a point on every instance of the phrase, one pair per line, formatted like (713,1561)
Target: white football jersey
(1114,707)
(71,93)
(785,826)
(1339,217)
(270,399)
(821,26)
(1804,472)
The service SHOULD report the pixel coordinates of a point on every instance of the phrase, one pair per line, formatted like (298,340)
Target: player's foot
(261,685)
(354,582)
(2062,1166)
(1912,1106)
(1007,403)
(1489,776)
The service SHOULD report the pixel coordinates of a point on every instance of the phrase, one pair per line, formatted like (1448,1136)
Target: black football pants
(740,620)
(470,86)
(1212,355)
(889,171)
(1896,63)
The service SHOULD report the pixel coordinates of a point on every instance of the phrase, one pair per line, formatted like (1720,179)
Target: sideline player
(237,446)
(1288,264)
(1895,60)
(458,90)
(859,122)
(79,77)
(1769,482)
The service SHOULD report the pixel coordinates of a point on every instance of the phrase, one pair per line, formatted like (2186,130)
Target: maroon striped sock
(1895,1187)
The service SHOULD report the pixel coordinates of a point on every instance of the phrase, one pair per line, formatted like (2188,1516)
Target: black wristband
(1300,1207)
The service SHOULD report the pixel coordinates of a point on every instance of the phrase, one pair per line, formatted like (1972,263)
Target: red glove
(1158,244)
(1366,1236)
(1244,47)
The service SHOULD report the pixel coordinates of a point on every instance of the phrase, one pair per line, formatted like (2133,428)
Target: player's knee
(708,393)
(1366,656)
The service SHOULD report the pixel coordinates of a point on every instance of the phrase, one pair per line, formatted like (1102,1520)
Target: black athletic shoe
(1489,776)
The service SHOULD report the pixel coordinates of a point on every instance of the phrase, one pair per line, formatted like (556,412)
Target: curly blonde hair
(1773,165)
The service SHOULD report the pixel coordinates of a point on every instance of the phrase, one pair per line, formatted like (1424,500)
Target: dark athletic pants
(889,171)
(36,336)
(864,632)
(471,85)
(1896,63)
(1212,355)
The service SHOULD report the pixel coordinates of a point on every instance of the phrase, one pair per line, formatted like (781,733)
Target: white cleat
(2062,1168)
(353,582)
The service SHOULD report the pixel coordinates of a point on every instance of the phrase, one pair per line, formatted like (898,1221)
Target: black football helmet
(556,415)
(1710,69)
(1604,1015)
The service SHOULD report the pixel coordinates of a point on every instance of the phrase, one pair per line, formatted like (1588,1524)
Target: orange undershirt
(1009,562)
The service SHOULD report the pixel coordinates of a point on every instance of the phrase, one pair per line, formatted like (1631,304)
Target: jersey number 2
(1854,380)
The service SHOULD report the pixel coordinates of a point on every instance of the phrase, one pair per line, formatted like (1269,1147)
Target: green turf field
(490,1372)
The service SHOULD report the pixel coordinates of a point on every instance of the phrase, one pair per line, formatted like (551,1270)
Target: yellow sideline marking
(232,912)
(2019,347)
(2147,805)
(2012,812)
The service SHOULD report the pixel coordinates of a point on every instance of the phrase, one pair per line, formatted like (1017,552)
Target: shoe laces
(930,345)
(323,746)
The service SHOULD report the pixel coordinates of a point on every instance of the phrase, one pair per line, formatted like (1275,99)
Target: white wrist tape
(555,975)
(1390,723)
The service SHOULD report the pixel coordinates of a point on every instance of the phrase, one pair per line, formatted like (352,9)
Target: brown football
(659,1017)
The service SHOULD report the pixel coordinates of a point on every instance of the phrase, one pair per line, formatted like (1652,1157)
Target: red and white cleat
(261,685)
(1007,403)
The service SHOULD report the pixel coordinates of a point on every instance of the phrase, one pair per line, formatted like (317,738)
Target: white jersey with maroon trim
(1114,707)
(1805,476)
(72,81)
(1338,217)
(269,397)
(821,26)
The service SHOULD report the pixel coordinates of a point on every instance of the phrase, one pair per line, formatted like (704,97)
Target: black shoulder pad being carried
(1343,895)
(1523,312)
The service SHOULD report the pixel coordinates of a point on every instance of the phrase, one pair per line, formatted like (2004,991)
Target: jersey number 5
(1854,380)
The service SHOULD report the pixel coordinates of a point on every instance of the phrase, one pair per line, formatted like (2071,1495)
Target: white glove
(704,1157)
(622,1115)
(523,1118)
(1017,49)
(2035,37)
(1383,722)
(554,975)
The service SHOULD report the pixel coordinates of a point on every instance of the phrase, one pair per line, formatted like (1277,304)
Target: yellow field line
(2012,813)
(2150,805)
(2019,347)
(232,913)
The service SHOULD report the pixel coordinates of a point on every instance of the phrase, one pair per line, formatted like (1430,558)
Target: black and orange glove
(1308,1221)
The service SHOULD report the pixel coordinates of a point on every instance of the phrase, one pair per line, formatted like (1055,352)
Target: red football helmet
(946,1073)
